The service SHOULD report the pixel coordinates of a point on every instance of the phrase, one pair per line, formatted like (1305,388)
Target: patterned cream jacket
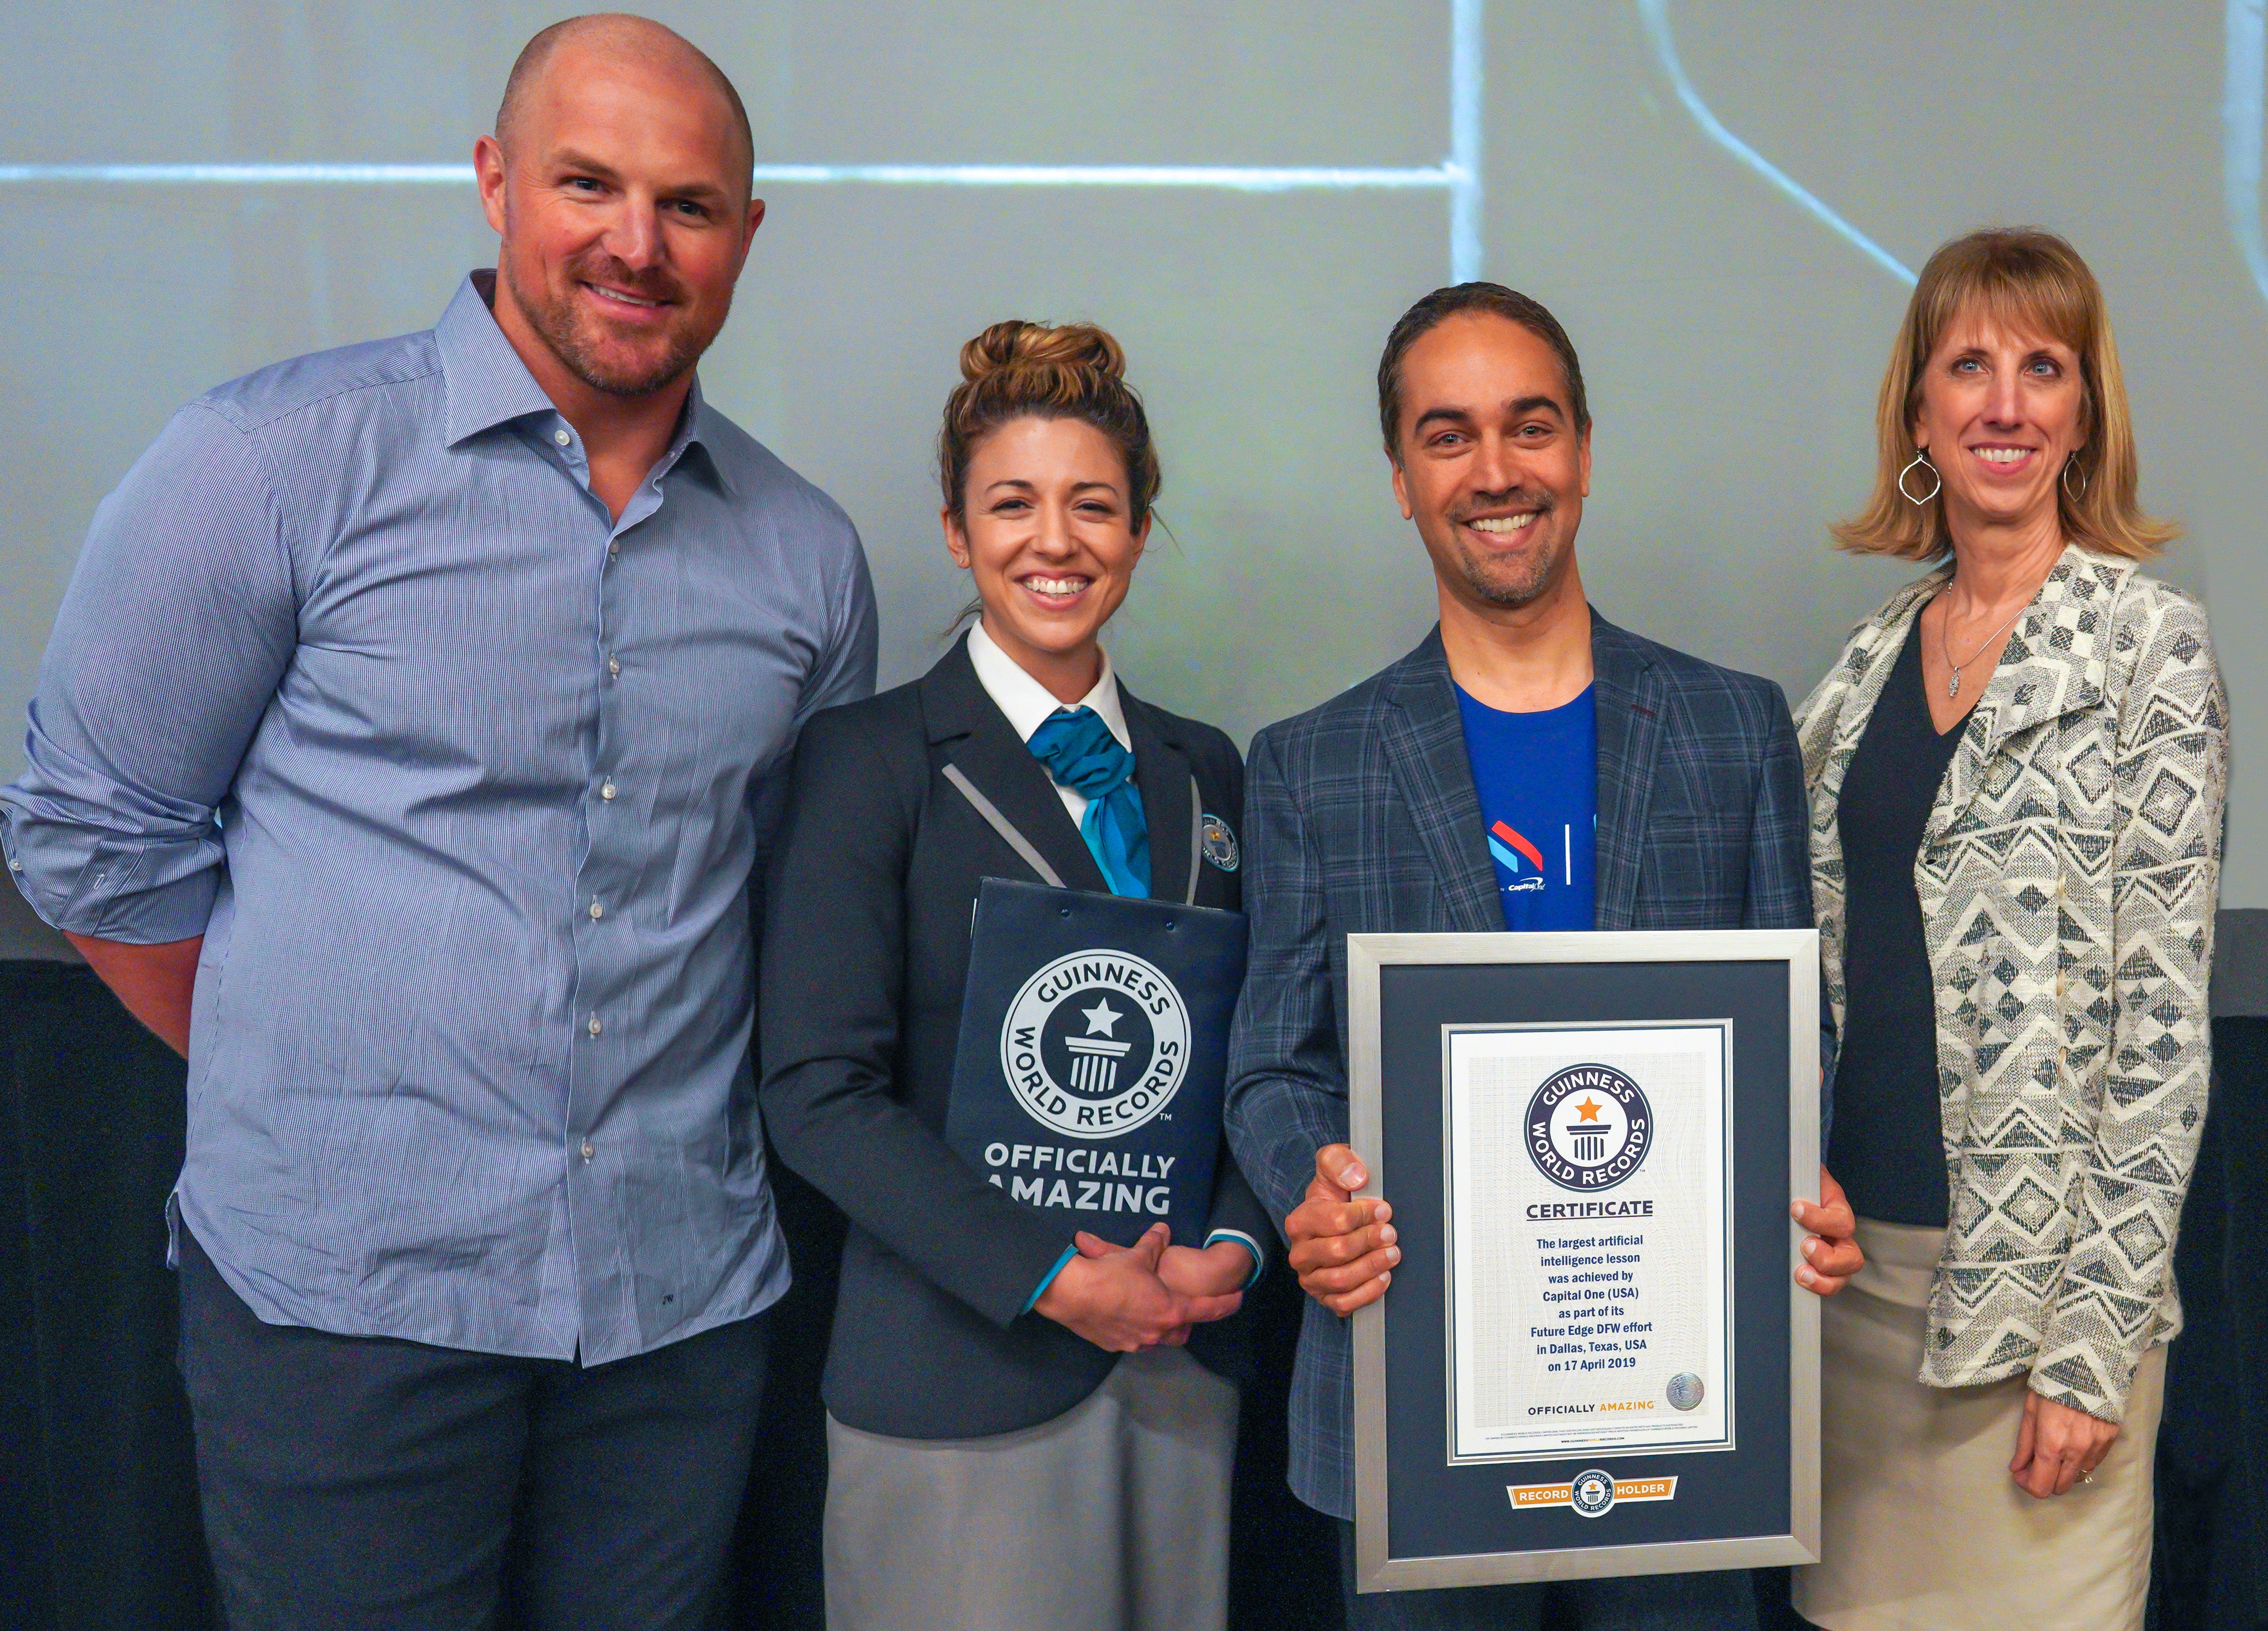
(2068,877)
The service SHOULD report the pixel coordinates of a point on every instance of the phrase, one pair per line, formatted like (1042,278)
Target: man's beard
(558,323)
(1508,582)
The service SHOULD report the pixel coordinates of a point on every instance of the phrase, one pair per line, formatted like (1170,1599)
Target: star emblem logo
(1101,1018)
(1588,1110)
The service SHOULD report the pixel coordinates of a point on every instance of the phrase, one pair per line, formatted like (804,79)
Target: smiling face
(1046,531)
(1492,468)
(623,204)
(2002,409)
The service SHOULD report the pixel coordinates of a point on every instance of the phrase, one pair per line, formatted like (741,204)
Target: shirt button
(14,866)
(605,790)
(614,549)
(597,911)
(561,438)
(594,1025)
(614,665)
(588,1149)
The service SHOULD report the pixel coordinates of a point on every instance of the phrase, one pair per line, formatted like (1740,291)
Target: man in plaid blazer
(1371,814)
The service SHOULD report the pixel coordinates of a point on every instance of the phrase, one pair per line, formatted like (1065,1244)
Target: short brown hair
(1495,300)
(1017,370)
(2026,278)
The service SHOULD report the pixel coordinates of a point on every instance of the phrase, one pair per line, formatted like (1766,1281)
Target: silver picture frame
(1376,1570)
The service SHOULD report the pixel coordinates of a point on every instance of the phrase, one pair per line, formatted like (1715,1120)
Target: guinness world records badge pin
(1592,1492)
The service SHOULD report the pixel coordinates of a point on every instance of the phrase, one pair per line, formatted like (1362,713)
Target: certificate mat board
(1535,1105)
(1093,1050)
(1588,1290)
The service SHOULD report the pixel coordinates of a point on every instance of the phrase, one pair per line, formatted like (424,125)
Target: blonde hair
(2025,278)
(1017,370)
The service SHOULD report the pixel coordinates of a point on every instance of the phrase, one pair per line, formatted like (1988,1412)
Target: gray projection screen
(1723,201)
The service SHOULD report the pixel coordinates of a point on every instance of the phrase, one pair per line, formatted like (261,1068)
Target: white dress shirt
(1030,704)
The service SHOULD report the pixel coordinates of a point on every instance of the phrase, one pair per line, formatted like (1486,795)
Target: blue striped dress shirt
(462,781)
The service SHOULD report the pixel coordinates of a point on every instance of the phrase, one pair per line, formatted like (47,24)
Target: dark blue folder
(1093,1055)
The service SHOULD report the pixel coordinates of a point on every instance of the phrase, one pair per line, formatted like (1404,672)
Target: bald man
(407,739)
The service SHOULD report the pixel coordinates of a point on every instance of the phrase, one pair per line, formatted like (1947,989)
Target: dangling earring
(2068,465)
(1935,480)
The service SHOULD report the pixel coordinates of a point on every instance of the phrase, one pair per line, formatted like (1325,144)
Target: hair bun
(1080,351)
(1071,370)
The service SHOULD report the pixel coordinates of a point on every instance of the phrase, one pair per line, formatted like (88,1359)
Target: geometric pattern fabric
(2068,877)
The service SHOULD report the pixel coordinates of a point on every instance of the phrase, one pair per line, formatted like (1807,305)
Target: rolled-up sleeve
(179,621)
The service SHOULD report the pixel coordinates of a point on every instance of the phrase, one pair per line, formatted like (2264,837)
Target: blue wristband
(1259,1258)
(1046,1280)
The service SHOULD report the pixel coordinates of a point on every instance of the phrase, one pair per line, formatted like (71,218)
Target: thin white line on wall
(1468,48)
(1458,175)
(1230,178)
(1655,14)
(2242,132)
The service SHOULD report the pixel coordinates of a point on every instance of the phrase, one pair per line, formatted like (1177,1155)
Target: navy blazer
(866,958)
(1361,817)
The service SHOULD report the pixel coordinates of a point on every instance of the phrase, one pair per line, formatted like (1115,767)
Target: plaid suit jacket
(1360,817)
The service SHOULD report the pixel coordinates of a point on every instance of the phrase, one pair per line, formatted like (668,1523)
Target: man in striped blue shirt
(402,754)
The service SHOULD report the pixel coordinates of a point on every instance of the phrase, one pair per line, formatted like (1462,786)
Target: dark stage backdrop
(98,1519)
(100,1529)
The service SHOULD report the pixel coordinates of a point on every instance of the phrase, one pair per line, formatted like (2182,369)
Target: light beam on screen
(2242,131)
(1655,15)
(1467,44)
(1230,178)
(1458,175)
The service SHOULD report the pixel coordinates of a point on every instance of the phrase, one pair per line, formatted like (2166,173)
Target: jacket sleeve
(1779,867)
(833,982)
(1237,1212)
(1287,1090)
(1779,837)
(2171,781)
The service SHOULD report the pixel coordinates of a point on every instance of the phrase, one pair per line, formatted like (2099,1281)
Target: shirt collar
(488,386)
(1030,704)
(487,383)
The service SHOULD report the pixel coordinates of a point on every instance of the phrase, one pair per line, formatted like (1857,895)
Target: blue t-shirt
(1537,776)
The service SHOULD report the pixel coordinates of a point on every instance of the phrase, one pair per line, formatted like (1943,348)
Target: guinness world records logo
(1095,1044)
(1592,1492)
(1588,1128)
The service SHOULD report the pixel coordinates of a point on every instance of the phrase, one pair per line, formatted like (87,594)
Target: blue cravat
(1079,752)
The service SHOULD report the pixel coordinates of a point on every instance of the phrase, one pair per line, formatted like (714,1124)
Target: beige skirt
(1112,1517)
(1921,1527)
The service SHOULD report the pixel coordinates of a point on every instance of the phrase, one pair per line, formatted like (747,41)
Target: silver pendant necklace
(1953,686)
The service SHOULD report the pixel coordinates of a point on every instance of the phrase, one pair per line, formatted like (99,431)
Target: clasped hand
(1344,1249)
(1148,1295)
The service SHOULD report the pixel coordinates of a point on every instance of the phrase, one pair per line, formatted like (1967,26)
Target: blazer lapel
(967,725)
(1161,775)
(2057,664)
(1628,697)
(1424,742)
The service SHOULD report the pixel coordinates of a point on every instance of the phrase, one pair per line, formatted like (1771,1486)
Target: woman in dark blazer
(1016,1435)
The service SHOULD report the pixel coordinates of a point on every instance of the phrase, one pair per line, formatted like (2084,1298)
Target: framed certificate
(1594,1359)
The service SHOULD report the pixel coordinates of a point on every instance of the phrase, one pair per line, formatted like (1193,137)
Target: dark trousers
(361,1483)
(1722,1601)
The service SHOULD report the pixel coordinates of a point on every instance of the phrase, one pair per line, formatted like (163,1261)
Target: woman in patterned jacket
(2017,769)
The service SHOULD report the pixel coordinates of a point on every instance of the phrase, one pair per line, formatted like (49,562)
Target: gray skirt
(1114,1517)
(1921,1527)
